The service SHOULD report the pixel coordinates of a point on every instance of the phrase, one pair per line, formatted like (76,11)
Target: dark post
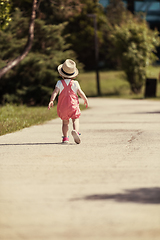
(151,87)
(130,5)
(96,52)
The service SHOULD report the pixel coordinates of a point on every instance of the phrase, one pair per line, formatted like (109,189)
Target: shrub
(134,44)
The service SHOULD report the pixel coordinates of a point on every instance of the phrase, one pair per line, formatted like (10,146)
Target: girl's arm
(53,96)
(83,96)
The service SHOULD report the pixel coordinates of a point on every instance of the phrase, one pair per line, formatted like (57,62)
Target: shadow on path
(155,112)
(140,195)
(32,144)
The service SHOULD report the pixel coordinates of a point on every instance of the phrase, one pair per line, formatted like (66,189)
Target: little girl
(68,104)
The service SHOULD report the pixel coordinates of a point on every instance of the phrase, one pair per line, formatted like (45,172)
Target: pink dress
(68,103)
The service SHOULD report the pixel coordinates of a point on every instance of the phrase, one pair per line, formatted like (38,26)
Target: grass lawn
(14,118)
(114,84)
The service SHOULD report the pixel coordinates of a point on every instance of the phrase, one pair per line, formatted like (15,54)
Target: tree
(33,79)
(115,12)
(28,46)
(114,15)
(5,18)
(81,32)
(134,43)
(59,11)
(48,11)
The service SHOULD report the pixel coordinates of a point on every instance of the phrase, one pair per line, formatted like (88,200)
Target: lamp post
(96,52)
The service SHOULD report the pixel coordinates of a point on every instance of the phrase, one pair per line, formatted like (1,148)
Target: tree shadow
(154,112)
(140,195)
(34,144)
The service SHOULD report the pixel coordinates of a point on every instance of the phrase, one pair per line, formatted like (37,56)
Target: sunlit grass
(114,83)
(14,118)
(110,83)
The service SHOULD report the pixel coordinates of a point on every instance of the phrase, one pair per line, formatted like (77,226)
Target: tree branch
(28,46)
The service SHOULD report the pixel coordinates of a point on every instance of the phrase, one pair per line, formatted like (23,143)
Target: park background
(114,43)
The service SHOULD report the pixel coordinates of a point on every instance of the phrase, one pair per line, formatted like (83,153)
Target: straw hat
(68,69)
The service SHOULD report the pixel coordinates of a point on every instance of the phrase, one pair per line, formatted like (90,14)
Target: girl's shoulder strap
(63,82)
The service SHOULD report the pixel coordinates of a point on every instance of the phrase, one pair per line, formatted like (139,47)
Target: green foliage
(56,11)
(33,80)
(81,29)
(134,44)
(5,18)
(59,11)
(115,11)
(13,118)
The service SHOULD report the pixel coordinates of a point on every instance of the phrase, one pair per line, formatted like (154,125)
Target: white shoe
(76,137)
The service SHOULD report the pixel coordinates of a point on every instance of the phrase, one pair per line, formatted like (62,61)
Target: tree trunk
(28,46)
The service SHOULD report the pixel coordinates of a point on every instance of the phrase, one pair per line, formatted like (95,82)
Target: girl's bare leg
(75,132)
(65,128)
(76,124)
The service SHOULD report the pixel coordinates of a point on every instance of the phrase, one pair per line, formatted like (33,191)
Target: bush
(134,44)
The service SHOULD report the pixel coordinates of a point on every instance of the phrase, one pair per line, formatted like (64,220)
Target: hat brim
(65,75)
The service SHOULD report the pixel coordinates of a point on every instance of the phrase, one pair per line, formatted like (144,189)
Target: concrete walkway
(106,188)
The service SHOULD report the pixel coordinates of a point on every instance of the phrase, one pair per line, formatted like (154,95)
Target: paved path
(106,188)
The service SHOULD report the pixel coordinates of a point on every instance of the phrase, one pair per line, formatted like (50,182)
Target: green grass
(14,118)
(114,84)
